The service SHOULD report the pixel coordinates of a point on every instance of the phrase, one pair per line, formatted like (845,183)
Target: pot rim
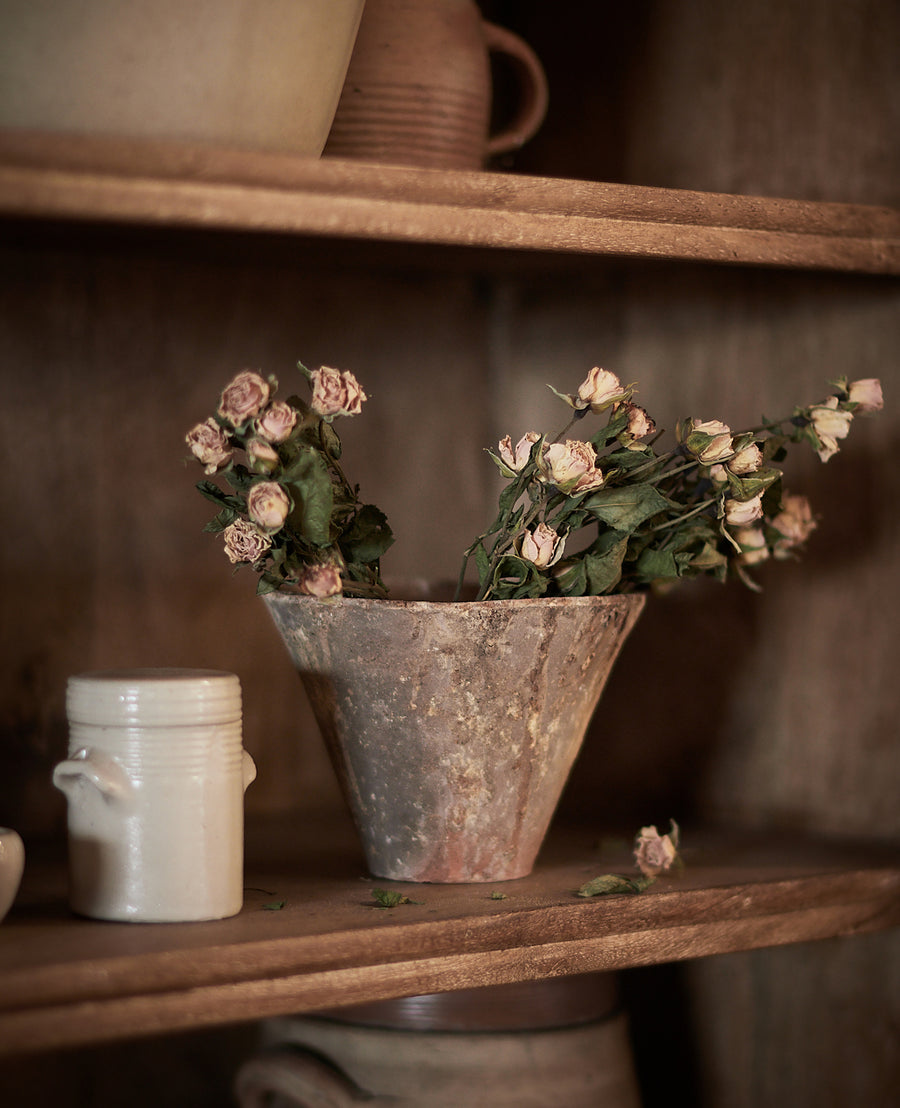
(636,599)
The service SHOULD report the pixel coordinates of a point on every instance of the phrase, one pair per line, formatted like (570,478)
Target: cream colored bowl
(12,863)
(243,73)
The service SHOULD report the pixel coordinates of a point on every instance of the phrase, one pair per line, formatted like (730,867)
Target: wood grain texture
(67,981)
(154,183)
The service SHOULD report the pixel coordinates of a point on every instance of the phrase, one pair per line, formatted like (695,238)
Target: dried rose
(655,853)
(243,398)
(516,458)
(709,441)
(794,523)
(321,581)
(262,456)
(335,393)
(245,542)
(542,547)
(745,461)
(600,390)
(572,467)
(639,422)
(738,513)
(753,546)
(866,394)
(277,421)
(210,445)
(830,423)
(268,505)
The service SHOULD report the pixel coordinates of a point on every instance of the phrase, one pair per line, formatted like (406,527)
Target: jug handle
(248,769)
(532,89)
(103,772)
(297,1077)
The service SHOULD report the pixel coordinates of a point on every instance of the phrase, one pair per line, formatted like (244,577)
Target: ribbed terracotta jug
(418,88)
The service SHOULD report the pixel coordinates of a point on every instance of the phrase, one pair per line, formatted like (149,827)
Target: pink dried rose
(321,581)
(830,423)
(655,853)
(639,422)
(243,398)
(753,545)
(709,441)
(276,422)
(542,547)
(516,457)
(600,390)
(794,523)
(572,467)
(866,393)
(335,393)
(245,542)
(268,505)
(746,461)
(738,513)
(210,445)
(262,456)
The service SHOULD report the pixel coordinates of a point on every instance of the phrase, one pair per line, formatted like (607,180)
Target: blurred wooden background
(777,709)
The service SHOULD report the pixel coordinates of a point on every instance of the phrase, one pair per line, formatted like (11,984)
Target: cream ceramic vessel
(155,782)
(12,863)
(257,74)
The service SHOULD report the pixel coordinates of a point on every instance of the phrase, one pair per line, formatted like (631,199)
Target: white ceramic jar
(155,783)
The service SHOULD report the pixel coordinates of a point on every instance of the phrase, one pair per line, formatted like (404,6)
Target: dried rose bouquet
(292,515)
(605,514)
(713,504)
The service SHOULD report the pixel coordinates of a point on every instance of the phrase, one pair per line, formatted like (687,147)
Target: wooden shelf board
(66,981)
(165,184)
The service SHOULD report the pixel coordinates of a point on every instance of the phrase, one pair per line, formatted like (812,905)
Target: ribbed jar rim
(153,697)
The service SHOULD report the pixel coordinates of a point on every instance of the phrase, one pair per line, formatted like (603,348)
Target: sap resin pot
(453,726)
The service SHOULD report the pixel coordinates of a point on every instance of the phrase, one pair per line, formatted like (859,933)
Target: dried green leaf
(390,898)
(367,537)
(610,883)
(625,508)
(274,905)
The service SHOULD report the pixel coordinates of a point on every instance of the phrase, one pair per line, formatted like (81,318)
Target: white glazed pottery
(258,74)
(155,782)
(12,863)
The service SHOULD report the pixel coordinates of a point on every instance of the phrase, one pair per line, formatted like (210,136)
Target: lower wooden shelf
(67,981)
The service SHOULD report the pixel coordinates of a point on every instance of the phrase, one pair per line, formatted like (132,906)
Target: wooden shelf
(162,184)
(66,981)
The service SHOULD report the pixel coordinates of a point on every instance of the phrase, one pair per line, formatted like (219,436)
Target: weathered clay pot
(453,726)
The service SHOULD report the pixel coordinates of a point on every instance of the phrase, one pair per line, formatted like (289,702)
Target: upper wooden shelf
(66,981)
(165,184)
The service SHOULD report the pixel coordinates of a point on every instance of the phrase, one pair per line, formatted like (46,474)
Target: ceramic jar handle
(248,769)
(533,95)
(297,1078)
(103,772)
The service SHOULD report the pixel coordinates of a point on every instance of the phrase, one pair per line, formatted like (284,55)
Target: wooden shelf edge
(166,184)
(67,982)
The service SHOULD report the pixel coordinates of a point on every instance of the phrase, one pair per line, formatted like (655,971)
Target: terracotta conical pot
(453,726)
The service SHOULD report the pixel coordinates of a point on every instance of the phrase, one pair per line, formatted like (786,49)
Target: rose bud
(268,505)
